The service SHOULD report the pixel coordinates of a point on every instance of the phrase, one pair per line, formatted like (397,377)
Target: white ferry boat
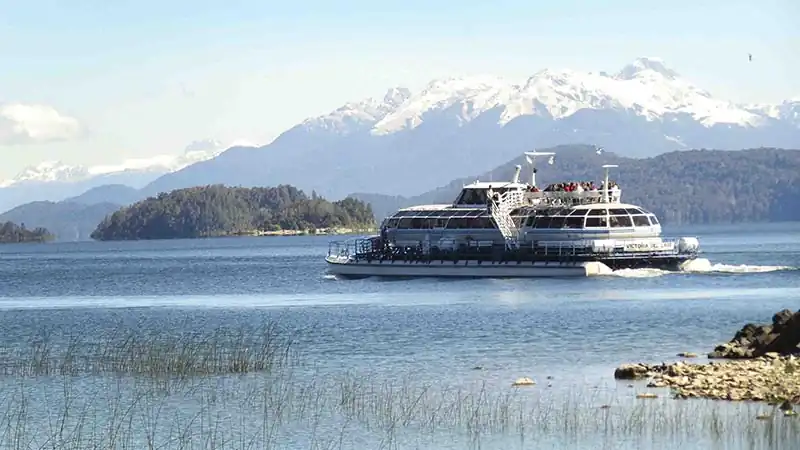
(516,229)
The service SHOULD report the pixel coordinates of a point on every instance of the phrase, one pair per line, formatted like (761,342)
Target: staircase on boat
(501,213)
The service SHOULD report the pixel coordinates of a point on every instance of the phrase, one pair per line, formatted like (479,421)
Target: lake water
(385,364)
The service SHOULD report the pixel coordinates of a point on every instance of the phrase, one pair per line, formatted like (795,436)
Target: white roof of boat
(605,205)
(426,208)
(495,184)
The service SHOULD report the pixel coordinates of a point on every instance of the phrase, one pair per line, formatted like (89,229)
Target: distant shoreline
(318,232)
(257,233)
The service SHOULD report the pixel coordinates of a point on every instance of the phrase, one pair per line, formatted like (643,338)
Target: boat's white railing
(363,249)
(349,248)
(501,213)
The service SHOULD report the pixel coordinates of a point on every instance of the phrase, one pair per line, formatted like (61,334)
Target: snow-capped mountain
(55,180)
(408,142)
(58,171)
(356,115)
(645,87)
(788,111)
(48,171)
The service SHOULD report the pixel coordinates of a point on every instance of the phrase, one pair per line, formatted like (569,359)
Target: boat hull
(464,269)
(489,269)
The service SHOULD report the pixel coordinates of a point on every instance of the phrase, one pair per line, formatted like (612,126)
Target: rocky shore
(764,365)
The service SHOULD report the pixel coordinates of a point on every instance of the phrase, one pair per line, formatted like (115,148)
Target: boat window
(530,221)
(641,221)
(618,211)
(574,222)
(653,219)
(598,212)
(440,223)
(633,211)
(478,223)
(392,223)
(543,222)
(455,223)
(404,223)
(620,221)
(578,212)
(558,222)
(596,222)
(472,197)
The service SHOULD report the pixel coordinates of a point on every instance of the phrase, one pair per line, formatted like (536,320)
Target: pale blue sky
(146,77)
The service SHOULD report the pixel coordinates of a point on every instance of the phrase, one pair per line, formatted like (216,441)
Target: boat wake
(699,266)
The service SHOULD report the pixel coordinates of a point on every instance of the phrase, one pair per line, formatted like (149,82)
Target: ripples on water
(409,333)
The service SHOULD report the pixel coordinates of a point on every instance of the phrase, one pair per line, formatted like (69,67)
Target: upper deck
(568,193)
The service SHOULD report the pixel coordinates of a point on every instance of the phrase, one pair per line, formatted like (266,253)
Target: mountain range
(406,143)
(55,180)
(695,186)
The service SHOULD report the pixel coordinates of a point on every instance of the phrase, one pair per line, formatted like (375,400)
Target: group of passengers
(582,186)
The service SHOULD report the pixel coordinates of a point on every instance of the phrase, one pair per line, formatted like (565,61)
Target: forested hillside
(11,233)
(217,210)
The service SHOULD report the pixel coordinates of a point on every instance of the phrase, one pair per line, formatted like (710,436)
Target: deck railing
(371,248)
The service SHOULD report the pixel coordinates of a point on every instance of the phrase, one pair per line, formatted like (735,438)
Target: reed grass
(130,352)
(245,390)
(267,411)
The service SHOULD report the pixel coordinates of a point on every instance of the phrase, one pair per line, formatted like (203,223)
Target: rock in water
(632,371)
(752,341)
(768,378)
(524,381)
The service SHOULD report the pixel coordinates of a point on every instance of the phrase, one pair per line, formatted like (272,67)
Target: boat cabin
(476,194)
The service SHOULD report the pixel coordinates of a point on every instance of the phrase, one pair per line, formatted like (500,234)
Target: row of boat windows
(593,212)
(455,223)
(639,220)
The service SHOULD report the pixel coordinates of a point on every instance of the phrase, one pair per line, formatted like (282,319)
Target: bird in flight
(750,56)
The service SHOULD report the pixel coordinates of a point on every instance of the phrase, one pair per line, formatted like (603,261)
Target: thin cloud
(22,124)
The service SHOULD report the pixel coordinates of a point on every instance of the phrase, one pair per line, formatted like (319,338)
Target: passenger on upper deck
(582,186)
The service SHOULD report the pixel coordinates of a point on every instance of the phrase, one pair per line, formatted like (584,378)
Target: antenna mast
(605,181)
(531,158)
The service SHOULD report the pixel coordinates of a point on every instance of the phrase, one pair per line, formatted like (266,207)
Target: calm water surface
(431,331)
